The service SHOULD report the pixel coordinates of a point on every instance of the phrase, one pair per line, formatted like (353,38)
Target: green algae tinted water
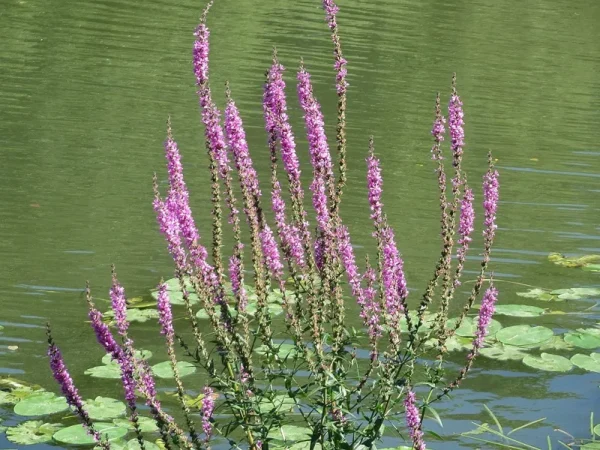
(86,88)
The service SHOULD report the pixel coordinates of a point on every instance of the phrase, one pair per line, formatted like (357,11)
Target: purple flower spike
(271,252)
(103,334)
(490,203)
(208,406)
(238,145)
(375,186)
(289,235)
(200,54)
(413,421)
(465,227)
(119,306)
(165,316)
(67,386)
(169,226)
(486,312)
(456,124)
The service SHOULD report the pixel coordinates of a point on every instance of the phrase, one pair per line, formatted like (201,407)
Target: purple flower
(165,316)
(438,131)
(289,234)
(200,54)
(375,186)
(465,227)
(490,203)
(169,226)
(394,282)
(103,334)
(486,312)
(119,306)
(208,406)
(413,421)
(271,252)
(455,124)
(67,386)
(238,145)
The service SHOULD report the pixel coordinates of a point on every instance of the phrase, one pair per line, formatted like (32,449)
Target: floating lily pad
(176,297)
(590,446)
(538,294)
(549,362)
(503,352)
(133,444)
(139,354)
(582,339)
(104,408)
(202,314)
(32,432)
(280,403)
(524,335)
(16,395)
(174,285)
(556,343)
(283,350)
(134,315)
(290,433)
(592,267)
(78,435)
(428,321)
(576,293)
(587,362)
(468,327)
(573,261)
(40,404)
(110,371)
(146,424)
(163,369)
(274,309)
(519,310)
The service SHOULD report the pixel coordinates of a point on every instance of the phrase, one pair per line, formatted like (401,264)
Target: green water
(86,88)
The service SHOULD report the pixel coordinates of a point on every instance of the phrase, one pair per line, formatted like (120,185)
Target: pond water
(85,90)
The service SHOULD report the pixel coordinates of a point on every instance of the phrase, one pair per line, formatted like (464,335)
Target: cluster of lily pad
(587,262)
(48,412)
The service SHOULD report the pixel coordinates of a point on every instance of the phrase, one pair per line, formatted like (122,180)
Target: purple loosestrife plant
(260,367)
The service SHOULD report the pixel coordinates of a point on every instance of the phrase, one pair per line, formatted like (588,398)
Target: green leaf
(176,297)
(279,403)
(78,435)
(519,310)
(524,335)
(592,267)
(146,424)
(135,315)
(139,354)
(110,371)
(32,432)
(283,350)
(583,340)
(133,444)
(590,446)
(163,369)
(549,362)
(538,294)
(40,404)
(203,315)
(556,343)
(17,394)
(597,430)
(104,408)
(587,362)
(576,293)
(503,352)
(174,285)
(287,433)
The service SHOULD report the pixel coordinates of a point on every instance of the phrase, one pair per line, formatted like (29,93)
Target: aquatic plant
(307,387)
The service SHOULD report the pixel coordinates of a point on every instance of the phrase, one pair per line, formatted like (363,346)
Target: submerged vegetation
(320,383)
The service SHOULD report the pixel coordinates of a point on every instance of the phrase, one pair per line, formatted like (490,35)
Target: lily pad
(176,297)
(280,403)
(133,444)
(592,267)
(576,293)
(289,433)
(146,424)
(139,354)
(16,395)
(203,315)
(173,284)
(503,352)
(538,294)
(104,408)
(32,432)
(524,335)
(556,343)
(549,362)
(40,404)
(110,371)
(135,315)
(573,261)
(519,310)
(587,362)
(583,339)
(163,369)
(78,435)
(590,446)
(283,350)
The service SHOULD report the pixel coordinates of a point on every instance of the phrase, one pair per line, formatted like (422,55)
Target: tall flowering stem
(67,386)
(413,420)
(339,65)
